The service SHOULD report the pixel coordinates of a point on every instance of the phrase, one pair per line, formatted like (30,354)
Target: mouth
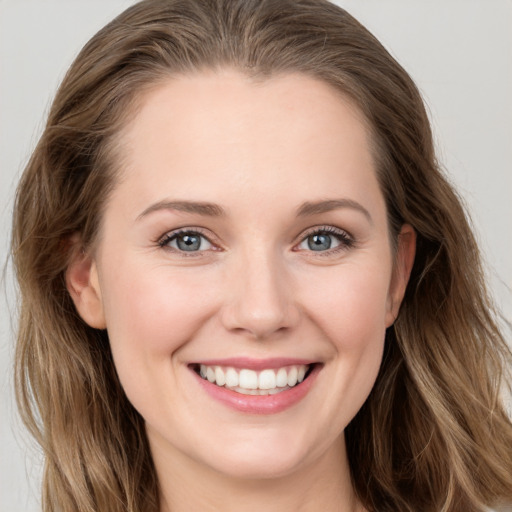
(246,381)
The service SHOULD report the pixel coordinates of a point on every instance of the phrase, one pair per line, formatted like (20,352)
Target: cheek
(151,313)
(154,311)
(350,304)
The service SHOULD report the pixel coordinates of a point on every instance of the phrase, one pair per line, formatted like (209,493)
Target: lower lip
(260,404)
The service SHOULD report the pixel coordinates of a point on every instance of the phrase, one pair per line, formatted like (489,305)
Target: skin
(259,151)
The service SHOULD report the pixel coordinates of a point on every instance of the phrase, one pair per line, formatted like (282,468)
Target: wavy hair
(433,434)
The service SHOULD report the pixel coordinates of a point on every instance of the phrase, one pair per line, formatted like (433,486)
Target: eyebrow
(317,207)
(199,208)
(214,210)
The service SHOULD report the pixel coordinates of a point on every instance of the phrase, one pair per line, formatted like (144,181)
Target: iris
(319,242)
(188,242)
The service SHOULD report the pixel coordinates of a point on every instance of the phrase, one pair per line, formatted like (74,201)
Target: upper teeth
(245,380)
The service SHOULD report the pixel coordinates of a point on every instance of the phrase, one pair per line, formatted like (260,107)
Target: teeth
(260,392)
(282,378)
(292,376)
(267,379)
(248,379)
(231,378)
(250,382)
(210,374)
(220,377)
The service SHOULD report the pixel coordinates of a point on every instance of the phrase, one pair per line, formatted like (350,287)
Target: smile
(255,386)
(268,381)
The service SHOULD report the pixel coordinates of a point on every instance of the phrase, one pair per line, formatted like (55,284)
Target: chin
(266,467)
(263,457)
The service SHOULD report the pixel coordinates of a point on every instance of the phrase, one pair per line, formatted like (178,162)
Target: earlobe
(83,285)
(404,260)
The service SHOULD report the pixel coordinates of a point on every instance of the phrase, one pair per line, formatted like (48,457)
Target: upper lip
(254,364)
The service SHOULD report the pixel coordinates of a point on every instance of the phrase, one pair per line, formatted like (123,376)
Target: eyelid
(324,228)
(347,241)
(163,240)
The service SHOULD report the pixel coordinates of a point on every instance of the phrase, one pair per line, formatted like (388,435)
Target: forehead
(230,96)
(211,134)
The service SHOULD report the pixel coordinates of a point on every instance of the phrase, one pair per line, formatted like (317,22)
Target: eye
(186,241)
(328,239)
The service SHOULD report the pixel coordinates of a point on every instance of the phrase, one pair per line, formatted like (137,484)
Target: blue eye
(319,242)
(324,240)
(187,241)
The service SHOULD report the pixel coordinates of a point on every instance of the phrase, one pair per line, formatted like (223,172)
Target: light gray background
(458,51)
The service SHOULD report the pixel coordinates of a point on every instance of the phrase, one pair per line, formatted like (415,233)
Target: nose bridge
(262,303)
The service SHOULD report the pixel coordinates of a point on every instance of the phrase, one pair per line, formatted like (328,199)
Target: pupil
(189,242)
(319,242)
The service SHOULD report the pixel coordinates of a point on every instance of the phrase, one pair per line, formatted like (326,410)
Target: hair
(432,436)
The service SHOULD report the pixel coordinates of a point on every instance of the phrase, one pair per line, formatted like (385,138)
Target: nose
(260,300)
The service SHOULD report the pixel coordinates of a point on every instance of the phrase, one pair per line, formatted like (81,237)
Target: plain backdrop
(458,51)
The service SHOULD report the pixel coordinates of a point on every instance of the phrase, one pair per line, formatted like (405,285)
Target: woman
(245,283)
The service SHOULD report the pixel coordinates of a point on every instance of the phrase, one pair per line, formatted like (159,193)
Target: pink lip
(255,364)
(259,404)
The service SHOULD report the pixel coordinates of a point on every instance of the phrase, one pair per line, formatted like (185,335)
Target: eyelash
(173,235)
(346,241)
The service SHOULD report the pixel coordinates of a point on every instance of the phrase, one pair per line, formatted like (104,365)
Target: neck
(324,484)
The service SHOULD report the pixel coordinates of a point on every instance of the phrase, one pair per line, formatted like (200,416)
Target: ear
(404,260)
(83,285)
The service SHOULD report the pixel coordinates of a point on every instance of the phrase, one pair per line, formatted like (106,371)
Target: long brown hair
(432,436)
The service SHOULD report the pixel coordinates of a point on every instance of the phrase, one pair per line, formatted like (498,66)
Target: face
(244,271)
